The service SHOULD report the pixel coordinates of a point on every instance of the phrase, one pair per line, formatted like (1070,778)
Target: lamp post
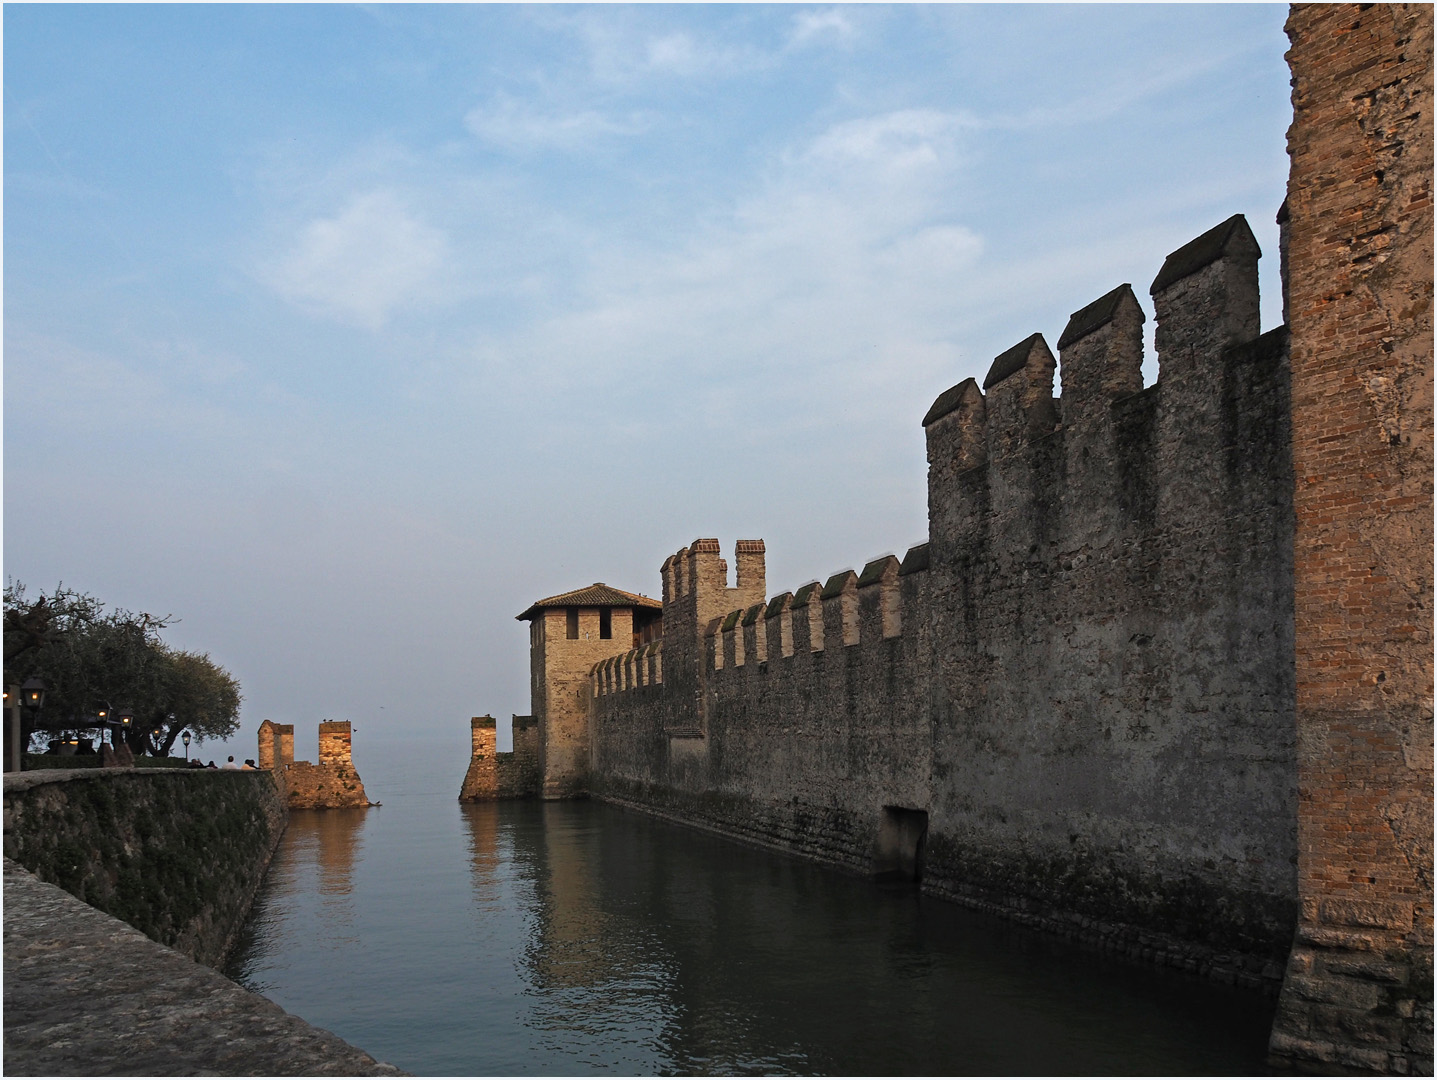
(32,699)
(185,738)
(124,719)
(13,760)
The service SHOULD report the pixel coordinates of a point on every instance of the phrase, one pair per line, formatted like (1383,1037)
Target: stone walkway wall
(87,995)
(176,853)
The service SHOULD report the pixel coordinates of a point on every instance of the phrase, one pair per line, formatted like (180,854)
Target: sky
(344,333)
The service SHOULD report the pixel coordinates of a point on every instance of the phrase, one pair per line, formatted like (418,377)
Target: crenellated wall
(1112,619)
(514,774)
(331,784)
(1076,696)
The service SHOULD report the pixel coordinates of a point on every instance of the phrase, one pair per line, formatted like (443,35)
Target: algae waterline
(177,854)
(532,939)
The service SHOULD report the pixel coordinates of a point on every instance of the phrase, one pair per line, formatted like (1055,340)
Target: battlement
(276,745)
(495,774)
(636,668)
(699,573)
(849,609)
(1091,463)
(330,784)
(334,742)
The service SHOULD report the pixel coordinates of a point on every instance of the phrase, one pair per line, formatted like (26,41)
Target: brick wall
(1358,992)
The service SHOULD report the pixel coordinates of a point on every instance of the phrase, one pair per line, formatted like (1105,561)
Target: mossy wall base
(177,854)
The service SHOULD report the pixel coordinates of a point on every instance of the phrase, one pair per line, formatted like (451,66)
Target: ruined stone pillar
(482,780)
(268,737)
(334,745)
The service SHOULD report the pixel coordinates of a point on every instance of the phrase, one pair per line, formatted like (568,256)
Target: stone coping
(33,778)
(89,995)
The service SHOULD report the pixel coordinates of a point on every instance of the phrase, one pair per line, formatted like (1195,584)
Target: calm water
(554,939)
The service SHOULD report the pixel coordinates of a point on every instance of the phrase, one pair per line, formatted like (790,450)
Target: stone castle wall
(1081,683)
(331,784)
(1359,987)
(514,774)
(559,673)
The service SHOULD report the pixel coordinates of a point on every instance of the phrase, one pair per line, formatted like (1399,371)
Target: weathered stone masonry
(143,845)
(1081,685)
(331,784)
(178,854)
(492,775)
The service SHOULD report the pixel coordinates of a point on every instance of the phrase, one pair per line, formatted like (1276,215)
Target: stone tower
(1358,232)
(568,635)
(697,595)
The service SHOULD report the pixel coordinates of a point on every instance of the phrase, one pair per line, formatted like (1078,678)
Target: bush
(92,761)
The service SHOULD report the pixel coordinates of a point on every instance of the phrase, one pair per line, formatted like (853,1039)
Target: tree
(194,694)
(89,657)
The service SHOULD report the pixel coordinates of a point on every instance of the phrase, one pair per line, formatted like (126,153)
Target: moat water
(575,938)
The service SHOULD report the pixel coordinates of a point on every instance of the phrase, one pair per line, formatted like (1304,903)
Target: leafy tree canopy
(91,658)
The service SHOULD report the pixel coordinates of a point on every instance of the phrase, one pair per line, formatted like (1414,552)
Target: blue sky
(344,333)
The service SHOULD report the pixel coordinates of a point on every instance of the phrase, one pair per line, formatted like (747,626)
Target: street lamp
(12,730)
(185,738)
(32,693)
(122,719)
(32,696)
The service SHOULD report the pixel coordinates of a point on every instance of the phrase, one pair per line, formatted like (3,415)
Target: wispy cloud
(831,24)
(518,125)
(369,260)
(626,51)
(837,269)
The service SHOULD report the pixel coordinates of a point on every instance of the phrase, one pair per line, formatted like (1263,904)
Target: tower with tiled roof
(568,634)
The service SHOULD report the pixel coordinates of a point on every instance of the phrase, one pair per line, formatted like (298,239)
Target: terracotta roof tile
(596,595)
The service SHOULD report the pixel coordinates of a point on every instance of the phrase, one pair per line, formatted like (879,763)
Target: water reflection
(573,938)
